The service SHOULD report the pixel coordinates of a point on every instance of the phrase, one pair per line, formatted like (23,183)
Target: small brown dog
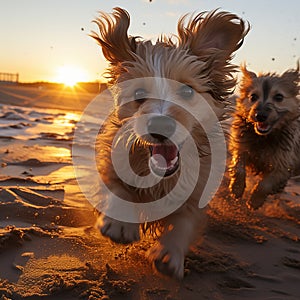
(265,133)
(161,92)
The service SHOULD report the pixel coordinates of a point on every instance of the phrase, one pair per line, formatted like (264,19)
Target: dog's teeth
(161,168)
(174,161)
(156,163)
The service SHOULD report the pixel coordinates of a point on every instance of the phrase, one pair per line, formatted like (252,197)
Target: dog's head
(269,101)
(161,87)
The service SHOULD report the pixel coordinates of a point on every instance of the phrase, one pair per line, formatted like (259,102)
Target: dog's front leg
(168,254)
(238,175)
(270,184)
(117,231)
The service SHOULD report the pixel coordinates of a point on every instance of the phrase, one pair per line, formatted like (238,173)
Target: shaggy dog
(155,87)
(265,133)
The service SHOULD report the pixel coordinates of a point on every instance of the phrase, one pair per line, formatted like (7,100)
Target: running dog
(162,92)
(265,133)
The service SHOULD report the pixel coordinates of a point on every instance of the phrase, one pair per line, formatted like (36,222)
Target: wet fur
(274,155)
(199,56)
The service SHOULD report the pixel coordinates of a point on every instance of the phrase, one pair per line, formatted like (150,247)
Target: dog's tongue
(168,152)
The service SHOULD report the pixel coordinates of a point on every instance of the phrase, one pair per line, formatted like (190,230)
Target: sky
(39,39)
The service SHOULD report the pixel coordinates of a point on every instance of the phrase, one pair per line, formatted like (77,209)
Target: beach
(50,248)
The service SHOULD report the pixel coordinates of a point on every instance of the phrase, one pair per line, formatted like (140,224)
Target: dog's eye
(140,95)
(253,97)
(186,92)
(278,97)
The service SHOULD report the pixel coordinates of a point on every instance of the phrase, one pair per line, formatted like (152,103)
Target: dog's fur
(265,133)
(198,58)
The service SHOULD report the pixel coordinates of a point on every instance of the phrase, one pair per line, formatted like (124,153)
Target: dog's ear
(292,75)
(116,45)
(206,33)
(247,74)
(213,37)
(291,79)
(246,80)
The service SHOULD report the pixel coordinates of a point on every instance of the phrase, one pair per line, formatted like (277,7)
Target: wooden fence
(9,77)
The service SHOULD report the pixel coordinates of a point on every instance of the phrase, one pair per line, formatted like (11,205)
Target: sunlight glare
(70,75)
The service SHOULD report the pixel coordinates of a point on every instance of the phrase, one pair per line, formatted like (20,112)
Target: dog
(265,133)
(155,87)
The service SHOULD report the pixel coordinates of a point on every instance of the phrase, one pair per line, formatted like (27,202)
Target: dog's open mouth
(164,160)
(262,128)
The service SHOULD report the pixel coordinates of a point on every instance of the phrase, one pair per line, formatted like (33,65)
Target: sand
(51,250)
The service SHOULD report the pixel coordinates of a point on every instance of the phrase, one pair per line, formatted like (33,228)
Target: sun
(70,75)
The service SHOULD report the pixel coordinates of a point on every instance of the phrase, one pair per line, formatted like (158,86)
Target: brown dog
(161,93)
(265,133)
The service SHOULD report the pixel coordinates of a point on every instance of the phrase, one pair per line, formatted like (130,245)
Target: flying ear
(246,73)
(290,79)
(246,80)
(215,30)
(116,45)
(292,75)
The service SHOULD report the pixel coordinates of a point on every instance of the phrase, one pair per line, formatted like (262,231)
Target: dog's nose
(261,116)
(161,127)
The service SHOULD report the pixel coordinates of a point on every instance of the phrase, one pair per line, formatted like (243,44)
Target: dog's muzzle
(262,127)
(164,160)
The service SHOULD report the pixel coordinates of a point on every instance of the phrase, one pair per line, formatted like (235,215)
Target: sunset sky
(42,40)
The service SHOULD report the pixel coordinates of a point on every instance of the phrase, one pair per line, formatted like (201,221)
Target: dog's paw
(167,260)
(117,231)
(237,187)
(256,201)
